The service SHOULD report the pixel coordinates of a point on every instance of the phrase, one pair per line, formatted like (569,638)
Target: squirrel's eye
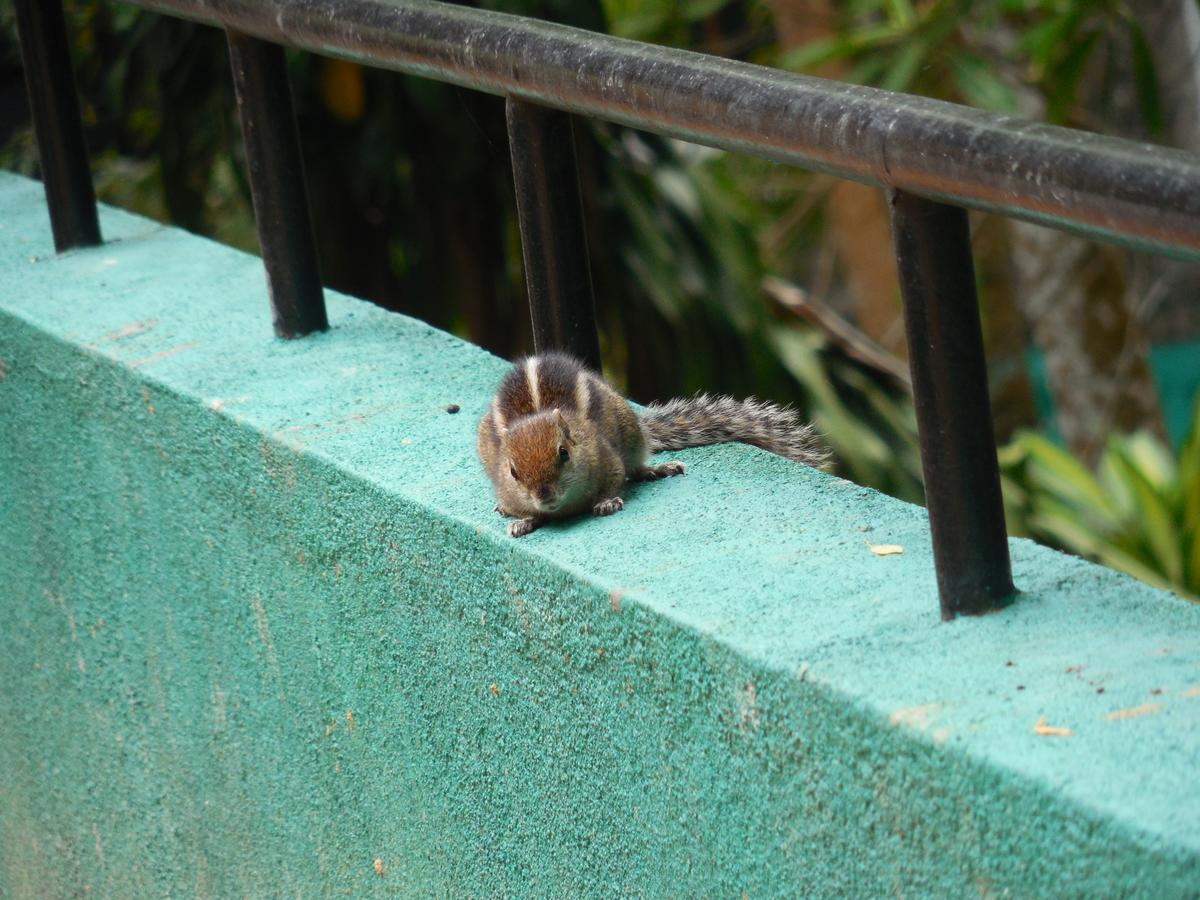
(513,470)
(563,455)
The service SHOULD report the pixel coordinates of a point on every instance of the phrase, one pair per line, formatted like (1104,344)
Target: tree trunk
(1077,298)
(1166,288)
(859,230)
(858,216)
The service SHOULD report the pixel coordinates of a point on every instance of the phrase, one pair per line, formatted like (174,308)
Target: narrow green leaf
(1062,79)
(904,65)
(857,446)
(1064,476)
(1191,576)
(1118,559)
(1150,458)
(1058,522)
(1043,40)
(1145,81)
(695,10)
(868,70)
(814,54)
(1117,488)
(979,84)
(901,12)
(1160,529)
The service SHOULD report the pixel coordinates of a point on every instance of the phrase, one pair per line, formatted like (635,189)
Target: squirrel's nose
(545,492)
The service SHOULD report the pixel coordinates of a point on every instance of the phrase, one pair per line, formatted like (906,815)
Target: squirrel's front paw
(608,507)
(522,527)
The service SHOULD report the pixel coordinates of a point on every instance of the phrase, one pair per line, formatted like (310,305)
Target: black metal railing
(933,159)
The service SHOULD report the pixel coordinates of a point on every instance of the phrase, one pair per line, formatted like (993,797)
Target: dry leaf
(885,549)
(915,716)
(1040,727)
(1132,711)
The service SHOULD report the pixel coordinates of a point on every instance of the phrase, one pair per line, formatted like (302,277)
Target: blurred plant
(973,51)
(1139,512)
(689,238)
(410,186)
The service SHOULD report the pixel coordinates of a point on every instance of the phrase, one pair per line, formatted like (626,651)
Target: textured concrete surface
(260,629)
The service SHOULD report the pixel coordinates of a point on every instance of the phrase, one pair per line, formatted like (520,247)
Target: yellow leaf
(1040,727)
(885,549)
(1133,711)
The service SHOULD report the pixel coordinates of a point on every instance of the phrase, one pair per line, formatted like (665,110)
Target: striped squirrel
(558,440)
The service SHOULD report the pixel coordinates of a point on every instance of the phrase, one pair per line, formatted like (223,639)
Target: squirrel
(558,440)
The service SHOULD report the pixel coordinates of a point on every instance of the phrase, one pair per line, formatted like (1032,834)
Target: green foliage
(413,205)
(158,114)
(976,52)
(1138,512)
(659,21)
(690,231)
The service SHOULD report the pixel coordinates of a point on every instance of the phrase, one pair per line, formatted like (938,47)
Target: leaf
(1042,41)
(1119,492)
(636,20)
(901,12)
(904,65)
(814,54)
(1151,458)
(1191,577)
(1145,81)
(976,81)
(868,70)
(1116,558)
(1061,474)
(1132,712)
(1064,78)
(695,10)
(1041,728)
(863,452)
(1060,522)
(885,549)
(840,46)
(1155,517)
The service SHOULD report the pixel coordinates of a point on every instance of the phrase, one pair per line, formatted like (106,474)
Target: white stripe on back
(531,378)
(583,392)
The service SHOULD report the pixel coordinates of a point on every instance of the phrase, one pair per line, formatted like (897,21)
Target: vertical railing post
(277,185)
(553,239)
(949,377)
(54,103)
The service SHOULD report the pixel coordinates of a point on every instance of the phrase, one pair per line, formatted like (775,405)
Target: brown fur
(523,457)
(567,409)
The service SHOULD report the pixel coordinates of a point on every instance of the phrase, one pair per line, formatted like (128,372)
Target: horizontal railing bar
(1135,194)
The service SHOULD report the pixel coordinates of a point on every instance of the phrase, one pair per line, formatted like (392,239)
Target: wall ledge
(262,630)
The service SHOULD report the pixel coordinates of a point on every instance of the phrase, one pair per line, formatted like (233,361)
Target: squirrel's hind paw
(653,473)
(608,507)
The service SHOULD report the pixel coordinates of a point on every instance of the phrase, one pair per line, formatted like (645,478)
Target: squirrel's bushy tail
(704,419)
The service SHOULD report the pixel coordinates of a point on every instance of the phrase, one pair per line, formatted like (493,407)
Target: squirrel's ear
(561,421)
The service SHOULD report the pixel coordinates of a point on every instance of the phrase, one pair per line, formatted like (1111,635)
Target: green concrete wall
(260,628)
